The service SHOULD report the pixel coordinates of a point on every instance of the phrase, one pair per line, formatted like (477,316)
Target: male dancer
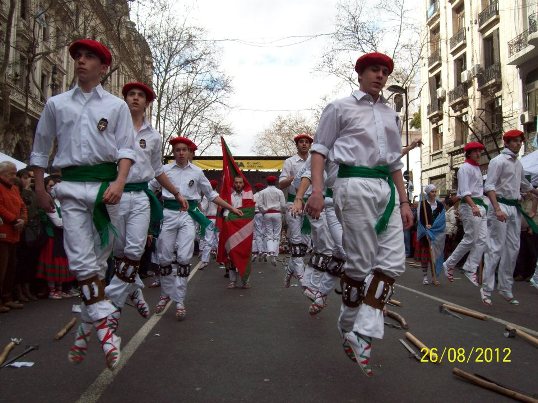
(175,245)
(503,186)
(209,242)
(272,204)
(362,134)
(94,132)
(132,215)
(473,215)
(259,242)
(298,245)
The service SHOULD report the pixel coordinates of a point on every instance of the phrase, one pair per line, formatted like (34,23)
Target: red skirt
(423,252)
(53,267)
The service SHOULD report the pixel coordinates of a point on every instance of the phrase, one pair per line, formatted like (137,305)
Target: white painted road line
(96,389)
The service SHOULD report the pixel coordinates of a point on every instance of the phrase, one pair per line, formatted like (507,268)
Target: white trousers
(175,244)
(502,250)
(322,243)
(81,240)
(208,242)
(296,264)
(327,281)
(272,228)
(359,202)
(259,244)
(474,239)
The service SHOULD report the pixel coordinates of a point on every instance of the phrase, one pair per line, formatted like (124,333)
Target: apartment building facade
(35,62)
(479,77)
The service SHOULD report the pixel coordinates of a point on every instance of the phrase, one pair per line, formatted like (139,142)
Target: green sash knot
(194,212)
(516,204)
(155,206)
(104,173)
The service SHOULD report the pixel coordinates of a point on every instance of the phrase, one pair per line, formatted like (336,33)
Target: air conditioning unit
(526,118)
(441,93)
(466,77)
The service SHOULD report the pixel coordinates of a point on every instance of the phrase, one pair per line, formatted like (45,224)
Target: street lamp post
(397,89)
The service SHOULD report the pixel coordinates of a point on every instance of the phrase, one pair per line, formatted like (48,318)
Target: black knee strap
(352,291)
(336,267)
(319,261)
(183,270)
(298,249)
(165,270)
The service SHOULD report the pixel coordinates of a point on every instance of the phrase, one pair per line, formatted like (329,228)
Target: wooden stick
(395,302)
(7,349)
(467,312)
(398,318)
(492,386)
(523,335)
(65,329)
(424,350)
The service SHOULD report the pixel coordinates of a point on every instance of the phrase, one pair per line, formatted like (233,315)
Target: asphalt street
(261,344)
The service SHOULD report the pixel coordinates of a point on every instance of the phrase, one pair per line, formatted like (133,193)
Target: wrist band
(404,202)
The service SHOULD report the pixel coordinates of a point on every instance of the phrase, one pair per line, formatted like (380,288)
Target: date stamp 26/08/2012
(461,355)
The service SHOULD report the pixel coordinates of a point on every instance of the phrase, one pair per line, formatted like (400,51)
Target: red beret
(302,136)
(259,185)
(370,59)
(96,47)
(271,179)
(513,134)
(214,183)
(183,140)
(150,95)
(473,145)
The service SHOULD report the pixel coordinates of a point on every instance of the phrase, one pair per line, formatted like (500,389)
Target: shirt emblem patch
(142,143)
(191,182)
(102,125)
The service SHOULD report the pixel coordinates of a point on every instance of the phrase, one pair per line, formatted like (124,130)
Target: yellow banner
(246,165)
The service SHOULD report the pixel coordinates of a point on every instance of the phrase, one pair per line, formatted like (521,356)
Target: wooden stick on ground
(467,312)
(424,350)
(65,329)
(398,318)
(395,302)
(492,386)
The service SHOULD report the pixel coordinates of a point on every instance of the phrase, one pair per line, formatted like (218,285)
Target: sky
(269,79)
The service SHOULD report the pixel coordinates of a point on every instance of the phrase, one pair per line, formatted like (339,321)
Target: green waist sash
(516,204)
(381,172)
(155,206)
(477,200)
(329,193)
(194,212)
(104,173)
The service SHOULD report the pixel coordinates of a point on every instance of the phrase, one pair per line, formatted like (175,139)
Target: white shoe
(273,260)
(425,280)
(254,257)
(534,281)
(486,297)
(203,265)
(508,297)
(362,349)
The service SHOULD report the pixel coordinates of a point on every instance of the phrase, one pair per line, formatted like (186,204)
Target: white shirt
(189,180)
(470,182)
(237,199)
(291,167)
(304,172)
(208,207)
(73,120)
(357,131)
(147,147)
(506,176)
(271,198)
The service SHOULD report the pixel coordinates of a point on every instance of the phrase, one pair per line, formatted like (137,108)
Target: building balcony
(455,3)
(434,111)
(458,97)
(434,59)
(488,16)
(457,41)
(519,48)
(432,13)
(533,31)
(489,79)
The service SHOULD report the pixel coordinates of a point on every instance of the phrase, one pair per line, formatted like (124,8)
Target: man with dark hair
(473,215)
(94,132)
(298,242)
(361,133)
